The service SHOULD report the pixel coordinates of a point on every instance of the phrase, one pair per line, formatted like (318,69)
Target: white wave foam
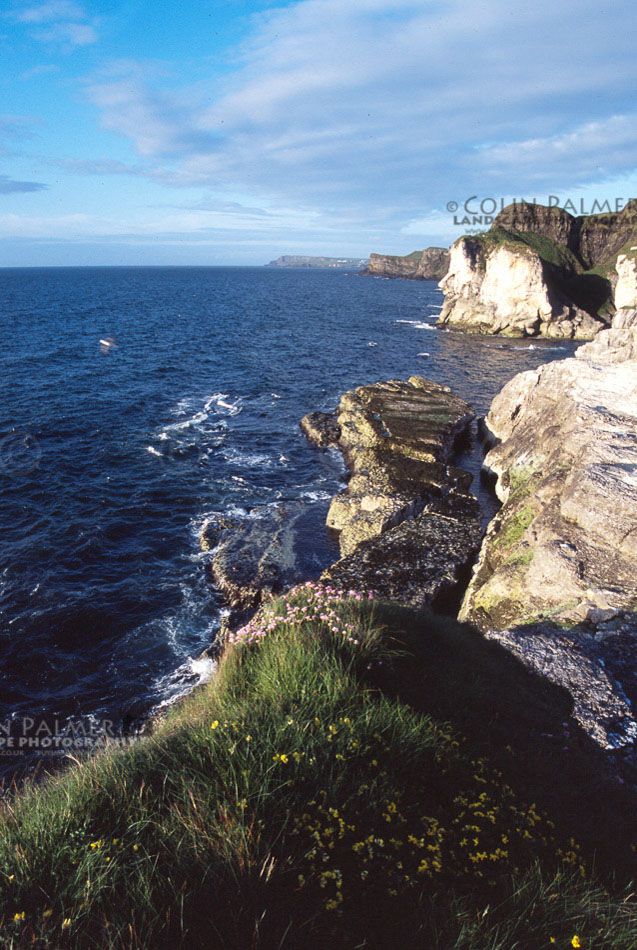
(222,401)
(249,459)
(424,354)
(417,324)
(153,451)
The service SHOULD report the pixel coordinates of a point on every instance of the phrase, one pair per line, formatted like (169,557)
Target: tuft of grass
(314,792)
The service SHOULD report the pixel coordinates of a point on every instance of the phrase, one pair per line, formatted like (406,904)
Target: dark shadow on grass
(520,720)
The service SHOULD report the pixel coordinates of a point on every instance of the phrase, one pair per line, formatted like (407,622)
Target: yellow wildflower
(19,916)
(66,923)
(575,942)
(213,725)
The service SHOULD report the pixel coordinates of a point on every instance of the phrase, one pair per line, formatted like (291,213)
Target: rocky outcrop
(556,580)
(397,438)
(504,286)
(407,526)
(540,272)
(258,556)
(321,428)
(420,561)
(430,264)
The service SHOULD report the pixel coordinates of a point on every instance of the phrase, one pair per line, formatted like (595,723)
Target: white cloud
(52,10)
(60,22)
(392,105)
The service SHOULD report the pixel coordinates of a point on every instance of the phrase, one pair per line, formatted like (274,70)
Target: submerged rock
(257,557)
(559,560)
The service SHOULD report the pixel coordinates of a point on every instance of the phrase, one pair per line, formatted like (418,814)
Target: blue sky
(200,132)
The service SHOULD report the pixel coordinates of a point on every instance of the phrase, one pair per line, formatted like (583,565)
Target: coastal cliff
(539,272)
(556,581)
(430,264)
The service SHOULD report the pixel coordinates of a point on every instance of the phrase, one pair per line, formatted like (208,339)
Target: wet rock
(257,557)
(321,428)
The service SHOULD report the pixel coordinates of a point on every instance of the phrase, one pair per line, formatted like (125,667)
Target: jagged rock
(420,561)
(562,551)
(542,272)
(397,438)
(430,264)
(321,428)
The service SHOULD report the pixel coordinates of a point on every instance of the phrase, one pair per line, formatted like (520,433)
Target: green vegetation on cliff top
(355,776)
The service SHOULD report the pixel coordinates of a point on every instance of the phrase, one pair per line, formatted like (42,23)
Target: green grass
(548,250)
(356,776)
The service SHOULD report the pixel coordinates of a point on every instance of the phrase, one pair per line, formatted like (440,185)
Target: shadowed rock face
(430,264)
(556,580)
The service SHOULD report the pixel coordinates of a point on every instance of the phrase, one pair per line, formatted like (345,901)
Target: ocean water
(136,403)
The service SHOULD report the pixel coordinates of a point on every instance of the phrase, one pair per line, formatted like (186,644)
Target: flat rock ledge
(556,581)
(407,526)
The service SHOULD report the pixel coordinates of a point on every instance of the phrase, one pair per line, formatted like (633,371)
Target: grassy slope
(316,793)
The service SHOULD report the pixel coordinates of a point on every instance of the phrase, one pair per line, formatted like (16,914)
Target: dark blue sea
(114,454)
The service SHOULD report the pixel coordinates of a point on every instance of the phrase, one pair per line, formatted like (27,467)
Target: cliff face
(507,287)
(539,272)
(430,264)
(556,581)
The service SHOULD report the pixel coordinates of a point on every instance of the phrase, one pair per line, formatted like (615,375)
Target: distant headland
(296,260)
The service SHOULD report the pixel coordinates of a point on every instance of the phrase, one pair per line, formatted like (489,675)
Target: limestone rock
(561,555)
(626,286)
(542,272)
(504,286)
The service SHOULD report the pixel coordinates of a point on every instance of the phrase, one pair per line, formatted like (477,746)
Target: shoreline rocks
(556,580)
(407,526)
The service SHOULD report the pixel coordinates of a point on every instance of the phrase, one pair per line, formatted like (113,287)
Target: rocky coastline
(430,264)
(554,579)
(540,271)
